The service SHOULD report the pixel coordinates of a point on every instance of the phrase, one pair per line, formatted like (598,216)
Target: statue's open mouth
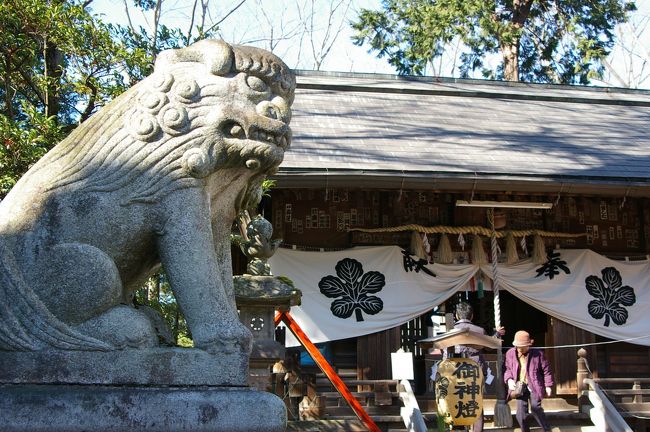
(281,138)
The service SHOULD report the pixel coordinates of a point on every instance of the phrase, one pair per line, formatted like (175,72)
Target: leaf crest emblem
(610,296)
(351,289)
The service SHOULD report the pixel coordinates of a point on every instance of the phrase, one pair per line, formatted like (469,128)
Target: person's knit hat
(522,339)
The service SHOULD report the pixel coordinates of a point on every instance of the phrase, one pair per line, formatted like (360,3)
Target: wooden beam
(327,369)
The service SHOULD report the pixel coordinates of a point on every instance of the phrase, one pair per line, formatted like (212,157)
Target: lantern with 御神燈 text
(459,391)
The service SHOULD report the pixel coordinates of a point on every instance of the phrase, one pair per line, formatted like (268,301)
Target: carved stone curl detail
(161,81)
(174,120)
(186,91)
(153,101)
(143,126)
(196,162)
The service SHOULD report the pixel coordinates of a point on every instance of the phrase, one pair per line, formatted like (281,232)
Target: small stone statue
(259,247)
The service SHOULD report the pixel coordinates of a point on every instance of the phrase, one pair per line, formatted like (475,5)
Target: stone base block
(93,408)
(153,366)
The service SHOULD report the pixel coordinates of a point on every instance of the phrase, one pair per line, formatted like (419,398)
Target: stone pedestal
(149,390)
(258,297)
(102,408)
(151,366)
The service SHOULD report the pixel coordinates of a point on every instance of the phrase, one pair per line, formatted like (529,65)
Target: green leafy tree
(560,41)
(58,65)
(157,294)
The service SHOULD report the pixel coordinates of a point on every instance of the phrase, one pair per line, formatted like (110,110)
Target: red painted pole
(327,370)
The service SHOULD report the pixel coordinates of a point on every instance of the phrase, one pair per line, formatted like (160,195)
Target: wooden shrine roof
(388,131)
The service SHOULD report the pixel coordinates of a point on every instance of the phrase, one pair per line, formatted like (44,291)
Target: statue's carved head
(251,89)
(206,107)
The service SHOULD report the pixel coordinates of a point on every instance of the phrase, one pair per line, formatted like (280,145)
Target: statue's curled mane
(159,145)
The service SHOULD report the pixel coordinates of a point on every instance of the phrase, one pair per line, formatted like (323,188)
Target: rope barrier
(584,344)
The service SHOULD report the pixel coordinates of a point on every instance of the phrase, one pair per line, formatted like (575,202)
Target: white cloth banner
(360,291)
(606,297)
(389,295)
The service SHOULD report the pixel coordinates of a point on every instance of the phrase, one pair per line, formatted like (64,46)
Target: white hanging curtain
(606,297)
(371,289)
(360,291)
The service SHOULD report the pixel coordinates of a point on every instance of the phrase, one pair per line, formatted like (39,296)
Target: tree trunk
(8,92)
(510,46)
(511,61)
(53,73)
(158,283)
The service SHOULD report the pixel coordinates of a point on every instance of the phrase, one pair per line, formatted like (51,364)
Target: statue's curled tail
(26,324)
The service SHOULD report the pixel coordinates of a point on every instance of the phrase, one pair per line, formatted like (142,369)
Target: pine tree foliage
(561,41)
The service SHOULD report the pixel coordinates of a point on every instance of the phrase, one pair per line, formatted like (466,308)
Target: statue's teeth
(253,164)
(236,131)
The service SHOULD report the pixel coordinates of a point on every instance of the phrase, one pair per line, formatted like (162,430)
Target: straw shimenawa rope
(479,230)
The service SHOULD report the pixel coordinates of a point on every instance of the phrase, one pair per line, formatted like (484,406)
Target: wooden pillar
(582,373)
(638,398)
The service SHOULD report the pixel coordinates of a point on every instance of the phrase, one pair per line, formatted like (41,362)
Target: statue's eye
(256,84)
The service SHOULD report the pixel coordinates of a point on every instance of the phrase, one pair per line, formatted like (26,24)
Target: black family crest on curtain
(552,266)
(610,295)
(353,287)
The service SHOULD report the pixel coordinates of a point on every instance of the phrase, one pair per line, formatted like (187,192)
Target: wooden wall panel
(564,360)
(373,354)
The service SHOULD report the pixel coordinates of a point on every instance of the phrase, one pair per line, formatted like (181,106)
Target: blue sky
(256,22)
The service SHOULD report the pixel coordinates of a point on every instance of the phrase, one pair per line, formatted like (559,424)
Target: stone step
(354,425)
(326,426)
(561,428)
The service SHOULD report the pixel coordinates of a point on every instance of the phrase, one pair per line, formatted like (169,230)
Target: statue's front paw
(235,340)
(231,346)
(123,327)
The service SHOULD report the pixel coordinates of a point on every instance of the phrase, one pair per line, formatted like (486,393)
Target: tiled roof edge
(395,84)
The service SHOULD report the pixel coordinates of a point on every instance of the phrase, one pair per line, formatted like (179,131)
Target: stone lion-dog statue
(154,178)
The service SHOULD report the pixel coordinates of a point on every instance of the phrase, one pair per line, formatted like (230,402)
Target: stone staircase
(561,421)
(562,415)
(381,401)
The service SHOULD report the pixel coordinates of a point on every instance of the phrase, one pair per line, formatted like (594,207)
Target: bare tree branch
(128,16)
(215,25)
(189,29)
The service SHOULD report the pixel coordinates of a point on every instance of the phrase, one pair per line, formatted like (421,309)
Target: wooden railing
(604,414)
(612,399)
(628,395)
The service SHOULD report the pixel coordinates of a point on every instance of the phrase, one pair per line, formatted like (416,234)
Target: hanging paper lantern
(459,391)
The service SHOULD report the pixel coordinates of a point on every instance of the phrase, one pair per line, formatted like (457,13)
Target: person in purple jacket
(528,365)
